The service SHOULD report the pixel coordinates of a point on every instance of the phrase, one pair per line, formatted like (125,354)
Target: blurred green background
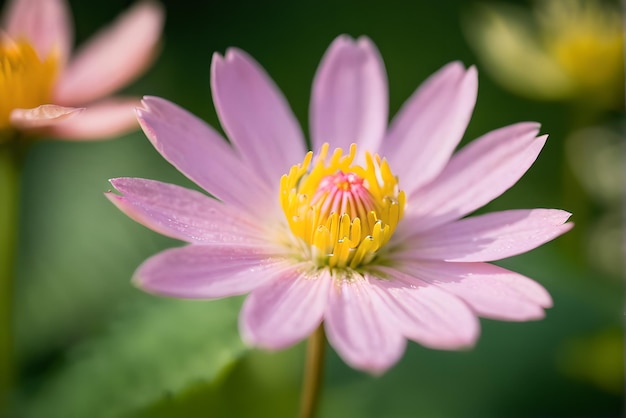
(92,345)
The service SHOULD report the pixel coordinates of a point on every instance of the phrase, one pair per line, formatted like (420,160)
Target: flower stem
(313,373)
(11,153)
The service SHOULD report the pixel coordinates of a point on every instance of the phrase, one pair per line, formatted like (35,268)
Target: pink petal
(256,116)
(42,116)
(477,174)
(207,271)
(182,213)
(491,291)
(489,237)
(285,310)
(430,125)
(114,57)
(200,153)
(349,102)
(46,24)
(360,326)
(106,119)
(425,313)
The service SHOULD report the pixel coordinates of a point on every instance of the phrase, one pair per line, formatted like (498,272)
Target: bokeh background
(92,345)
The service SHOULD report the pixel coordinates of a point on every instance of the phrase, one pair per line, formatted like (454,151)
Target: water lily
(366,233)
(49,89)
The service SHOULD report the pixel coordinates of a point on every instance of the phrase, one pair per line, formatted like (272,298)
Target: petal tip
(232,59)
(456,68)
(365,42)
(137,281)
(114,198)
(147,98)
(216,59)
(340,42)
(565,227)
(148,11)
(344,37)
(563,216)
(534,125)
(41,116)
(233,54)
(150,102)
(472,73)
(154,7)
(117,181)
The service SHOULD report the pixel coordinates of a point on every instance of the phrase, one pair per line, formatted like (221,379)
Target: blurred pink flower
(318,244)
(43,82)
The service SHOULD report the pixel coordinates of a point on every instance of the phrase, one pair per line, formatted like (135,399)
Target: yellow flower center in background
(26,81)
(587,39)
(342,213)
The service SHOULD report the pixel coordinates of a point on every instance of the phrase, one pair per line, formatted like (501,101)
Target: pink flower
(373,247)
(45,86)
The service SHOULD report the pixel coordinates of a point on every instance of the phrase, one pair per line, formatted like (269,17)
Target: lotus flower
(47,89)
(364,234)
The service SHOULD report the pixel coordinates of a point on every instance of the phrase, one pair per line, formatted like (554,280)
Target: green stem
(11,153)
(313,373)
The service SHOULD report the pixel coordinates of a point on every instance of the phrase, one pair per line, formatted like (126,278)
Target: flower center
(25,80)
(342,213)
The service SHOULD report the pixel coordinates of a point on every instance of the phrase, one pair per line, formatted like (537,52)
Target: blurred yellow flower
(559,50)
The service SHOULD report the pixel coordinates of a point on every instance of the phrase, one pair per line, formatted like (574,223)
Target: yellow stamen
(26,81)
(343,213)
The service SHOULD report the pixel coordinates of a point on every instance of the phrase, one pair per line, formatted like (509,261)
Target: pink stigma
(343,193)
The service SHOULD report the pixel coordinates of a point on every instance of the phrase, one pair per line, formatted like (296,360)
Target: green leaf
(262,384)
(158,349)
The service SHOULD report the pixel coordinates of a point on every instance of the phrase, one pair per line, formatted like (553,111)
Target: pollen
(341,213)
(26,80)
